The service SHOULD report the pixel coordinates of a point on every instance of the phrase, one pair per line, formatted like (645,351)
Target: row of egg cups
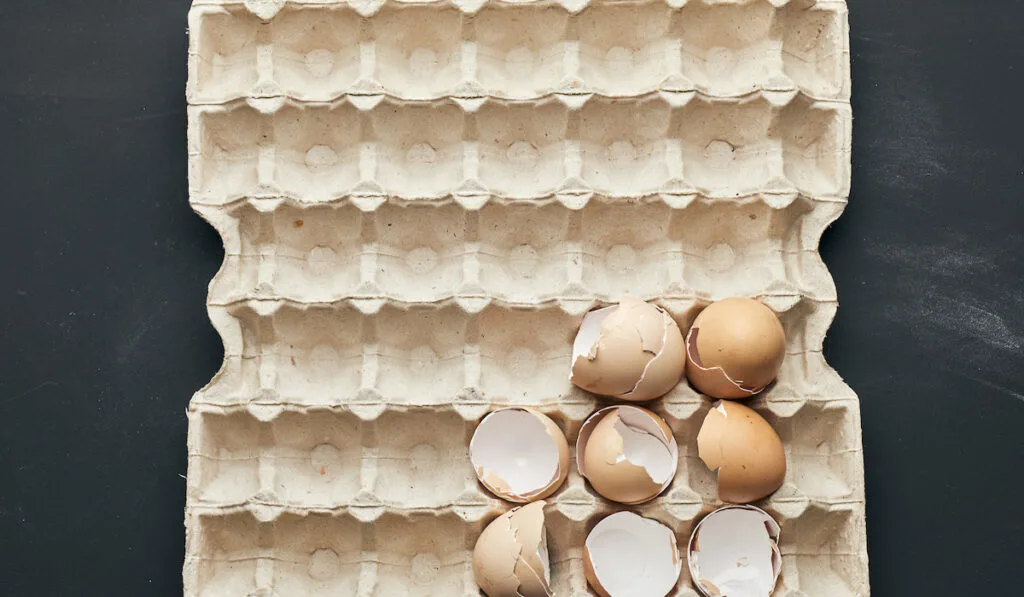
(635,351)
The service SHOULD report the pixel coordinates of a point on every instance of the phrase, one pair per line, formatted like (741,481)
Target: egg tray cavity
(419,202)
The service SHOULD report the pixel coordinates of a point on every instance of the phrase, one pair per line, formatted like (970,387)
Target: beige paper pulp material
(418,203)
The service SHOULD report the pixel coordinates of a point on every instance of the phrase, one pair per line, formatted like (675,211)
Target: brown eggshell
(505,561)
(530,569)
(614,366)
(746,451)
(638,354)
(665,370)
(494,559)
(734,349)
(599,449)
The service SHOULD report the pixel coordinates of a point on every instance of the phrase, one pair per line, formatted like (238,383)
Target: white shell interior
(644,444)
(545,557)
(515,445)
(590,332)
(736,552)
(634,556)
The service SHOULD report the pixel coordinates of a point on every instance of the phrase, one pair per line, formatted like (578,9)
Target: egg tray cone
(419,202)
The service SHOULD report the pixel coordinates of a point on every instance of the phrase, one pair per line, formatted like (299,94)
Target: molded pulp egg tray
(418,203)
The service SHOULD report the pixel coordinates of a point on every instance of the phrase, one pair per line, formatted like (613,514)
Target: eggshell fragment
(510,558)
(633,351)
(734,349)
(747,453)
(626,555)
(519,454)
(734,552)
(628,453)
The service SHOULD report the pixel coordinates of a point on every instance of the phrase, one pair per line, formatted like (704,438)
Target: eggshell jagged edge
(640,526)
(637,418)
(631,479)
(712,378)
(656,349)
(745,473)
(498,486)
(510,558)
(772,533)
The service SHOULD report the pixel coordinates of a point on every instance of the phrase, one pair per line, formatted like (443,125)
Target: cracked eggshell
(734,552)
(632,351)
(734,348)
(745,450)
(626,555)
(519,454)
(510,558)
(627,453)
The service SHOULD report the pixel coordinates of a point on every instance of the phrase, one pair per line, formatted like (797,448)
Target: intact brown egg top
(734,349)
(745,450)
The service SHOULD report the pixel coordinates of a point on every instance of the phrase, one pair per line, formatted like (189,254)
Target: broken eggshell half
(632,351)
(734,552)
(627,453)
(734,348)
(743,447)
(626,555)
(519,454)
(510,558)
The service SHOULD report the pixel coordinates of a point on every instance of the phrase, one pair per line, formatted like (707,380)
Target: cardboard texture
(419,202)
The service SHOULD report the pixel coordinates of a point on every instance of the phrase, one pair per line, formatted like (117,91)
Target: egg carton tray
(418,203)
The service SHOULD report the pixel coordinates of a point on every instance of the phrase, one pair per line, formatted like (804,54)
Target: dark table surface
(104,270)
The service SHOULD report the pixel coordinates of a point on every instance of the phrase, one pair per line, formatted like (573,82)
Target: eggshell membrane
(637,354)
(632,545)
(600,454)
(665,370)
(734,349)
(754,536)
(494,559)
(491,478)
(745,450)
(532,569)
(591,575)
(507,558)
